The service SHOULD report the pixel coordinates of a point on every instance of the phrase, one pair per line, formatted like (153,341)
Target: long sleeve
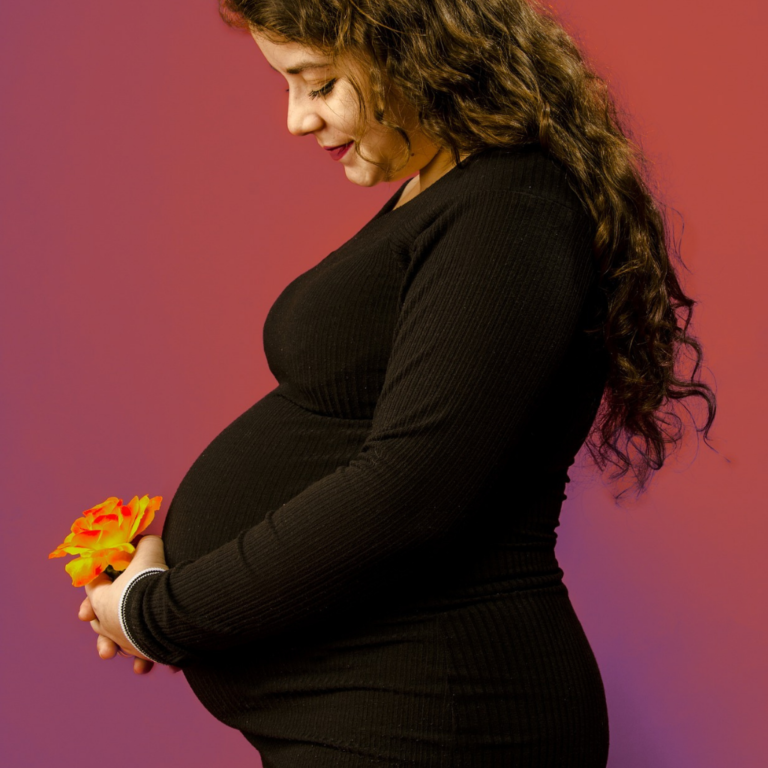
(492,297)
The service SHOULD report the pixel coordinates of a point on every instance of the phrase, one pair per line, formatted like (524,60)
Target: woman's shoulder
(527,170)
(507,189)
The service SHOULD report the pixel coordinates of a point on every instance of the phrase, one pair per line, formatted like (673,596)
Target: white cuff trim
(121,612)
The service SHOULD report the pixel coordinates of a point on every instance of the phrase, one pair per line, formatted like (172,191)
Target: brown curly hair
(495,73)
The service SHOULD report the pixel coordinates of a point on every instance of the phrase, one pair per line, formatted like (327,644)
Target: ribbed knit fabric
(362,567)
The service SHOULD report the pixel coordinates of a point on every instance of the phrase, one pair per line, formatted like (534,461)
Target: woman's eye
(324,91)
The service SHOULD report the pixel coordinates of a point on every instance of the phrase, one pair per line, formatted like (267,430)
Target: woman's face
(322,102)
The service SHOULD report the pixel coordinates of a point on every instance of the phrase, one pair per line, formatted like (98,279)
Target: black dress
(362,564)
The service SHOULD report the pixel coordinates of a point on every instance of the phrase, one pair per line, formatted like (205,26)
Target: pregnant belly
(265,457)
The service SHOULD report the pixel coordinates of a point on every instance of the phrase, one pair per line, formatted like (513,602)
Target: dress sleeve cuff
(122,609)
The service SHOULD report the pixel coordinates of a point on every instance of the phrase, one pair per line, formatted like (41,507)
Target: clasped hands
(101,605)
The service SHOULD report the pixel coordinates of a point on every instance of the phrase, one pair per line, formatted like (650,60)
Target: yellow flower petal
(106,507)
(137,512)
(150,506)
(85,569)
(114,531)
(104,520)
(121,558)
(87,539)
(61,550)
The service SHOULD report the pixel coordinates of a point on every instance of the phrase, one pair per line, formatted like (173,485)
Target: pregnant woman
(360,569)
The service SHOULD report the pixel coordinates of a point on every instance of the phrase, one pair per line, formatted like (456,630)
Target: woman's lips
(338,152)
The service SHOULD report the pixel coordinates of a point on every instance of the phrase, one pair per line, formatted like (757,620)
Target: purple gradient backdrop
(154,206)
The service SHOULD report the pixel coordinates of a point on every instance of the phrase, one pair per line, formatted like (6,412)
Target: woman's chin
(364,177)
(364,174)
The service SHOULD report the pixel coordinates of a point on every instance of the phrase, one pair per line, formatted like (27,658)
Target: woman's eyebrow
(302,66)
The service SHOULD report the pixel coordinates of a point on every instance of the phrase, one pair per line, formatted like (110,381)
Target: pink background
(154,206)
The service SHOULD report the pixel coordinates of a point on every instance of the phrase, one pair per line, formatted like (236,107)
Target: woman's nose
(302,116)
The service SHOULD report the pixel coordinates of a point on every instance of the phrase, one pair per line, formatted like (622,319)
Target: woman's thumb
(151,551)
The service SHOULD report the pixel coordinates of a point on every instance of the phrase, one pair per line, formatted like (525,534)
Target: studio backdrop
(154,205)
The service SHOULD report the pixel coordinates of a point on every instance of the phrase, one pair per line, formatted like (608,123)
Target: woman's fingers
(142,666)
(86,612)
(105,647)
(108,649)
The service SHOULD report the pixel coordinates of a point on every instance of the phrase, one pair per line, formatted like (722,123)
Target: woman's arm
(493,296)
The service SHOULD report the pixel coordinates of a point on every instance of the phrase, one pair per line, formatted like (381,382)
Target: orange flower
(102,537)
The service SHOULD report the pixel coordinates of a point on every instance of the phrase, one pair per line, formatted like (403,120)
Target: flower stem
(111,572)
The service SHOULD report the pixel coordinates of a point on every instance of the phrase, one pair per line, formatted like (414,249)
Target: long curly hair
(500,73)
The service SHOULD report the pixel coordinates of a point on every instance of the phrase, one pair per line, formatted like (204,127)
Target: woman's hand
(100,607)
(107,648)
